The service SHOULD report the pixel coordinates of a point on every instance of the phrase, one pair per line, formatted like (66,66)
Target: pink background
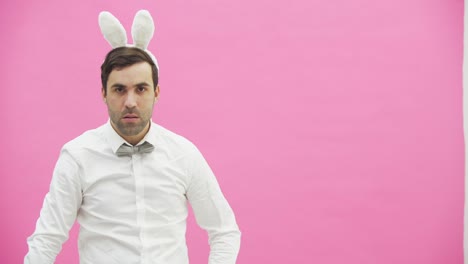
(334,127)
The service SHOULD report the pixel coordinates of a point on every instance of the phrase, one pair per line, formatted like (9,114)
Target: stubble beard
(129,129)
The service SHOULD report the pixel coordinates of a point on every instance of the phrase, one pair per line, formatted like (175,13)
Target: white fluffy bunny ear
(112,30)
(142,29)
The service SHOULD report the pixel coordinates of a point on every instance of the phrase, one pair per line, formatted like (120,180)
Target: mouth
(130,117)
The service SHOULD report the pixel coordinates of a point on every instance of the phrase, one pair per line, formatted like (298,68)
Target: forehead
(133,74)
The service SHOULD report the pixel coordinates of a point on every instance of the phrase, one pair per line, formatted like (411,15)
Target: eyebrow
(142,84)
(119,85)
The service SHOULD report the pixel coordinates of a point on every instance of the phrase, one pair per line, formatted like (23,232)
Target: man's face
(130,99)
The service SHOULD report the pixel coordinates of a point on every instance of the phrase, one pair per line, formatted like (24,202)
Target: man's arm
(213,213)
(58,212)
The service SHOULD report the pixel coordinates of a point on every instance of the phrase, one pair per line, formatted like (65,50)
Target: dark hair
(122,57)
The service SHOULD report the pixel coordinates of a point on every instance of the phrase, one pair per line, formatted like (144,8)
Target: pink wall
(334,127)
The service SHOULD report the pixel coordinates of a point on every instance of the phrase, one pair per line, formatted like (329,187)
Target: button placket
(140,200)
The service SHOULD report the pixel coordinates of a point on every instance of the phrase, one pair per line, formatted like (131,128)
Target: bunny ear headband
(142,31)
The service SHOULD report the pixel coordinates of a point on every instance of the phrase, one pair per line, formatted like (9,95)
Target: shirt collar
(115,140)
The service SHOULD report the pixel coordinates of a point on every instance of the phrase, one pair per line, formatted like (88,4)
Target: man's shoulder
(173,140)
(91,138)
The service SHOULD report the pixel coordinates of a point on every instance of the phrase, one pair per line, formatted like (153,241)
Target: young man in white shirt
(128,182)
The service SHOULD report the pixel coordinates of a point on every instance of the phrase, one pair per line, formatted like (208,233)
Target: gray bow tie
(127,150)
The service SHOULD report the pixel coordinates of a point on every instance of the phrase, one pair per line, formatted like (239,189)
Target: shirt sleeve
(212,212)
(58,212)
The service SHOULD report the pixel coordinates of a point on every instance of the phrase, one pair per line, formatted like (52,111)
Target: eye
(119,89)
(141,89)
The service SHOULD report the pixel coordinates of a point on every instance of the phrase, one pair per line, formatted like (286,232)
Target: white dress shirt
(132,209)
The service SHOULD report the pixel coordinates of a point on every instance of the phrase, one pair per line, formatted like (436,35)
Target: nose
(130,100)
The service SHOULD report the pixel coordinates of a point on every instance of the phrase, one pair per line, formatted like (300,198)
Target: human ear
(103,93)
(156,93)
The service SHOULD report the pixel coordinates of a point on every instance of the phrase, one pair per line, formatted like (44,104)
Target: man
(128,182)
